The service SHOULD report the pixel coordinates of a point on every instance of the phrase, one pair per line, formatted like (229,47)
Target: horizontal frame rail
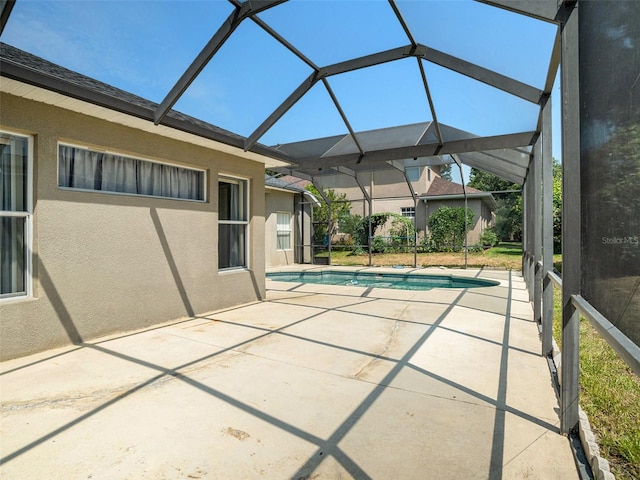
(621,344)
(628,351)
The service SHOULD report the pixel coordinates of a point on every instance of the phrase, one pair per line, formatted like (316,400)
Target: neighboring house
(390,193)
(443,193)
(287,221)
(110,223)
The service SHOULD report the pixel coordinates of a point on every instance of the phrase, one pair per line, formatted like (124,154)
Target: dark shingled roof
(25,67)
(440,187)
(287,182)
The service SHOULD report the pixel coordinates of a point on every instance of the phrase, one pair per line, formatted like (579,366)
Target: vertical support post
(402,169)
(528,230)
(415,232)
(537,231)
(329,225)
(328,202)
(370,212)
(571,222)
(466,220)
(525,261)
(547,229)
(531,228)
(312,233)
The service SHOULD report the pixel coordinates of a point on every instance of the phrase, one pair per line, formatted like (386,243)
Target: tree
(445,172)
(326,217)
(447,228)
(509,204)
(358,227)
(509,211)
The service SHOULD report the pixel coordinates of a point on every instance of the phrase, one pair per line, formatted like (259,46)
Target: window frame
(413,169)
(28,223)
(224,178)
(280,232)
(130,157)
(405,210)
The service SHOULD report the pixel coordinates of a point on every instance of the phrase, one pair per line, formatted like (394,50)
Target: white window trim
(231,179)
(289,231)
(404,210)
(28,224)
(132,157)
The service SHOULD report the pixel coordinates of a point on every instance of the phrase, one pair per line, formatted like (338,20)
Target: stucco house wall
(106,263)
(387,182)
(279,201)
(391,194)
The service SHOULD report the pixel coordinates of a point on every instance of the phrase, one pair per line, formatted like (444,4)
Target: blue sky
(144,46)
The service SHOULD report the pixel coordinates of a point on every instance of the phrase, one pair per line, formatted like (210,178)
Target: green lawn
(609,395)
(505,255)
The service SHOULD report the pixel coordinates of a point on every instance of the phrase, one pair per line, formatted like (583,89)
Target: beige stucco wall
(110,263)
(387,182)
(287,201)
(277,201)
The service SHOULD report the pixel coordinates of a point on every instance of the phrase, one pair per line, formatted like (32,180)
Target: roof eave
(36,78)
(484,196)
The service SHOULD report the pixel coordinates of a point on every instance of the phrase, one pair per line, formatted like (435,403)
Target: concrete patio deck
(315,382)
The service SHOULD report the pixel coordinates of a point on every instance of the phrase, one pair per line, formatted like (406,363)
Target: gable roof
(442,189)
(440,186)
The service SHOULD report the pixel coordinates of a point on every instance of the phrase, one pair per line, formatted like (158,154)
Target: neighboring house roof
(290,183)
(442,189)
(23,67)
(287,182)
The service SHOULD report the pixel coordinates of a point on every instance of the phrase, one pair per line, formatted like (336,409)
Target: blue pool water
(381,280)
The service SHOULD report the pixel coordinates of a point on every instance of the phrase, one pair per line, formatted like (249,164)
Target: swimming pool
(381,280)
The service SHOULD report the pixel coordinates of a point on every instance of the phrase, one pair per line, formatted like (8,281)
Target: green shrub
(358,227)
(489,238)
(379,245)
(447,227)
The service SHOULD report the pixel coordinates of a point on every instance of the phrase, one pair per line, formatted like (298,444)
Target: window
(413,173)
(284,231)
(15,215)
(233,223)
(408,212)
(83,169)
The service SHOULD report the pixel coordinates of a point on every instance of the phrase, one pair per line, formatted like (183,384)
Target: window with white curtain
(15,215)
(284,231)
(233,223)
(83,169)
